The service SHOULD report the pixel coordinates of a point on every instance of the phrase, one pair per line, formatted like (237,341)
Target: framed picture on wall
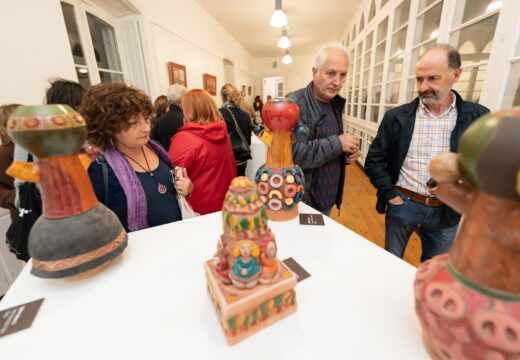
(210,83)
(243,90)
(177,74)
(249,90)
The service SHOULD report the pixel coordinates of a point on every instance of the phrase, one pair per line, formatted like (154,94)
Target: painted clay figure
(268,260)
(468,301)
(279,181)
(246,269)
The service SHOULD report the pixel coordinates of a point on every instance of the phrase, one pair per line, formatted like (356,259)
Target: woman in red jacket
(202,146)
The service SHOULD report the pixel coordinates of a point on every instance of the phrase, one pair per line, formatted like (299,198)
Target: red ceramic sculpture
(279,181)
(248,285)
(76,235)
(468,301)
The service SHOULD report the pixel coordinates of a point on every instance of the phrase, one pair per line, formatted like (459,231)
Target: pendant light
(278,19)
(287,58)
(284,41)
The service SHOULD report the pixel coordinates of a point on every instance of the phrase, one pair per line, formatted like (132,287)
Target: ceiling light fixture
(278,19)
(287,58)
(284,41)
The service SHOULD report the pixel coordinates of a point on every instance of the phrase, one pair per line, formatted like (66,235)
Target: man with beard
(408,138)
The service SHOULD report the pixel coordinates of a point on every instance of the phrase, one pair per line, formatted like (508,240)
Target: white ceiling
(311,23)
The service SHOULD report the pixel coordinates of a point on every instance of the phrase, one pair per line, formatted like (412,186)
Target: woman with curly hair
(202,146)
(7,190)
(138,185)
(232,115)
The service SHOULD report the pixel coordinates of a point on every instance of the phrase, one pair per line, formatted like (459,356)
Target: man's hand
(396,200)
(352,157)
(349,142)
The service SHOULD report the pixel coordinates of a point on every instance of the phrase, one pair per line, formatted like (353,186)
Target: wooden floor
(358,213)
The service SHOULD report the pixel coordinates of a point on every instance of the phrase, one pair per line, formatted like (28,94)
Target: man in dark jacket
(168,124)
(407,139)
(324,155)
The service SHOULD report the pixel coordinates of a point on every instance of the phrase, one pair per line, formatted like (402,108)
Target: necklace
(160,187)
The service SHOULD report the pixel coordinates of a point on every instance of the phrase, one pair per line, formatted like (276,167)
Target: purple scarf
(135,197)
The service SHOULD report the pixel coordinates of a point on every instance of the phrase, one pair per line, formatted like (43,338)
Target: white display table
(258,154)
(151,303)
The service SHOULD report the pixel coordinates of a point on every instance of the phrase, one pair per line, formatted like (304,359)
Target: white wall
(35,48)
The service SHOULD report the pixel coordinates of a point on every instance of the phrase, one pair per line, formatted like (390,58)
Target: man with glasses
(408,138)
(327,150)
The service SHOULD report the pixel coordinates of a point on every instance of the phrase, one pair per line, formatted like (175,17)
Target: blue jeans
(401,220)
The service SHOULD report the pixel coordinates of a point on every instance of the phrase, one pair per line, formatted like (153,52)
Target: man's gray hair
(175,94)
(321,58)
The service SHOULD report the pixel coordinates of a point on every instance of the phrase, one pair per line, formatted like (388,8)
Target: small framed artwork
(249,90)
(177,74)
(210,83)
(243,90)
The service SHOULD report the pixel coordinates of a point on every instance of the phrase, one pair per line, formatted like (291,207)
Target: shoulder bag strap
(103,162)
(236,126)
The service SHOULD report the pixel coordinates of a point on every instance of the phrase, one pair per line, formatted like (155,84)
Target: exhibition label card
(311,219)
(301,273)
(19,317)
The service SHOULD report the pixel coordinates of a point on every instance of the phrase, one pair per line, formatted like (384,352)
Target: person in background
(160,107)
(230,111)
(248,108)
(140,189)
(326,152)
(202,146)
(61,91)
(269,97)
(258,106)
(168,124)
(7,191)
(408,138)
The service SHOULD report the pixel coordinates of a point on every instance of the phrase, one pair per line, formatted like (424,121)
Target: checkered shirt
(431,137)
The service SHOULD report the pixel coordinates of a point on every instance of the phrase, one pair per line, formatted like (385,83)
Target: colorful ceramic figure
(75,234)
(248,285)
(279,181)
(468,301)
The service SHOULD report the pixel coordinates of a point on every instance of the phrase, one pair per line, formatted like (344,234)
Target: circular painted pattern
(275,204)
(276,181)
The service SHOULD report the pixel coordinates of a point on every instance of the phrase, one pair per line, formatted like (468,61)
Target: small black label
(19,317)
(311,219)
(301,273)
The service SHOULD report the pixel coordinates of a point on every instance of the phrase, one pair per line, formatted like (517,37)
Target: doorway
(273,86)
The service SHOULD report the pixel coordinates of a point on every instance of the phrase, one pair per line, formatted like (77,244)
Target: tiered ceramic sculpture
(279,181)
(249,286)
(76,235)
(468,301)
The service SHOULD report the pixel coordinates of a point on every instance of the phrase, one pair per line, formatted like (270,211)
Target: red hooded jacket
(205,151)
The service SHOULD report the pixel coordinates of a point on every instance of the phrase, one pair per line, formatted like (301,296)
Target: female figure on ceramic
(202,146)
(139,185)
(246,270)
(268,260)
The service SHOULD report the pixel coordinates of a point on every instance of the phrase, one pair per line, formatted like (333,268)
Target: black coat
(167,126)
(388,150)
(242,118)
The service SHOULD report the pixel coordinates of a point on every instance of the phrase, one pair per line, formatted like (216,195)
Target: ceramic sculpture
(249,287)
(76,235)
(468,301)
(279,181)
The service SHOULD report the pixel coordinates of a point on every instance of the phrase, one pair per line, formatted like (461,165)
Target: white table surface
(151,303)
(259,156)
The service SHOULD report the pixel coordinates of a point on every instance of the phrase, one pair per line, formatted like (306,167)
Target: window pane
(367,59)
(474,42)
(380,52)
(359,48)
(104,42)
(357,80)
(383,3)
(417,53)
(398,42)
(392,93)
(365,77)
(474,8)
(356,97)
(72,32)
(363,112)
(395,68)
(83,77)
(374,115)
(354,111)
(378,74)
(388,108)
(470,83)
(110,77)
(382,29)
(401,14)
(376,94)
(372,11)
(411,91)
(512,94)
(362,23)
(423,4)
(428,24)
(364,95)
(368,42)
